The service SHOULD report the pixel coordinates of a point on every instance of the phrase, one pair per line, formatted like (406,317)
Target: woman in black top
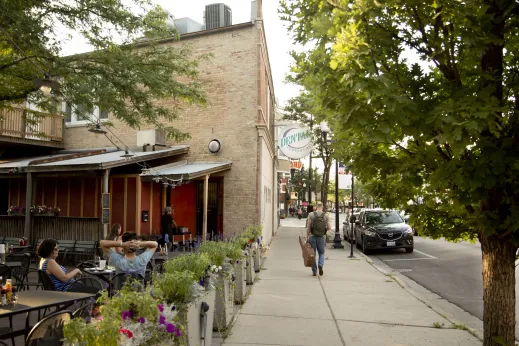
(167,223)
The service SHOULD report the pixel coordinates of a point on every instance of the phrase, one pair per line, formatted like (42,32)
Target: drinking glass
(97,259)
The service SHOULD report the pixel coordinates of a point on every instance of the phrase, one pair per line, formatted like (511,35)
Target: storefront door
(212,208)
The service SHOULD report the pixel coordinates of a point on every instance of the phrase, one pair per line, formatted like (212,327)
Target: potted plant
(16,210)
(238,259)
(131,317)
(198,297)
(223,272)
(43,210)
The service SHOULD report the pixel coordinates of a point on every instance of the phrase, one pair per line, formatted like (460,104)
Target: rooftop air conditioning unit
(217,16)
(151,137)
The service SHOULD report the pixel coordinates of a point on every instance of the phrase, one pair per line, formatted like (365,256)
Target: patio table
(21,248)
(29,301)
(104,275)
(13,264)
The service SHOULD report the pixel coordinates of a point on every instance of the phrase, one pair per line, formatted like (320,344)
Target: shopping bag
(308,252)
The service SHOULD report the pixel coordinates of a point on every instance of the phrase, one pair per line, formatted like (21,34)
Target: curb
(406,282)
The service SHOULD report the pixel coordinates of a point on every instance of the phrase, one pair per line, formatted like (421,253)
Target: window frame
(74,115)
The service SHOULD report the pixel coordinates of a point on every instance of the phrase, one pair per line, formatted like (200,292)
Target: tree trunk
(498,291)
(324,185)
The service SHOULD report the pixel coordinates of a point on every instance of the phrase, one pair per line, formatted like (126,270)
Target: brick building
(241,179)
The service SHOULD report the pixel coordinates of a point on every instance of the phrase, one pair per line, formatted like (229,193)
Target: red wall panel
(75,197)
(23,189)
(15,185)
(145,205)
(157,208)
(183,200)
(131,203)
(37,198)
(89,197)
(63,196)
(117,196)
(49,188)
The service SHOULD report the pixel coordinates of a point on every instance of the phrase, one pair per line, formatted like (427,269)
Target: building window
(80,115)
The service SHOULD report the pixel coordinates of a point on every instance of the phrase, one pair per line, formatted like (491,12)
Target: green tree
(302,178)
(447,131)
(304,110)
(123,75)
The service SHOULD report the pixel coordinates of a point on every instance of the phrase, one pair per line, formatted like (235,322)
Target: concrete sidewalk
(351,304)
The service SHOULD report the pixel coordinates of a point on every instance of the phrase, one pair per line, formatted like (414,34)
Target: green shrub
(196,263)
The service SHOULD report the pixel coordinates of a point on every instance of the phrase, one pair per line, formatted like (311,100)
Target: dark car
(382,229)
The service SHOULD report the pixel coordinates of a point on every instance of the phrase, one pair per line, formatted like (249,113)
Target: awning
(187,171)
(86,161)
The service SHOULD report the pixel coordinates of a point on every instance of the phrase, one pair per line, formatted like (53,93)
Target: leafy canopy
(424,97)
(123,75)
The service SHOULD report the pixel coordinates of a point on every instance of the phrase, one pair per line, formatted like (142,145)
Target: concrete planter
(240,284)
(257,259)
(224,304)
(249,269)
(199,322)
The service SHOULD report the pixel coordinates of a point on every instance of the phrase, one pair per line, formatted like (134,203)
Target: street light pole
(337,243)
(352,223)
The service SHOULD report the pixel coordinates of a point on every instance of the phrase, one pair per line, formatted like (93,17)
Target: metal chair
(46,281)
(85,312)
(117,281)
(28,283)
(49,331)
(3,343)
(86,285)
(5,271)
(19,274)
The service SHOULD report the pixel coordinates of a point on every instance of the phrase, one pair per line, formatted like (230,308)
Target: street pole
(352,224)
(310,170)
(337,243)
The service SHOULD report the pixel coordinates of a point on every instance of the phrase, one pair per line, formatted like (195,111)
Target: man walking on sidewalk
(317,226)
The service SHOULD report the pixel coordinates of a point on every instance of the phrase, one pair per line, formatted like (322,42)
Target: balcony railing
(19,125)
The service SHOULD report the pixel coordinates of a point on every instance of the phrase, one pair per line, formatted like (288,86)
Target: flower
(162,319)
(161,307)
(126,332)
(178,332)
(141,320)
(201,282)
(126,315)
(170,328)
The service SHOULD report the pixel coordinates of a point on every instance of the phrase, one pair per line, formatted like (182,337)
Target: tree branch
(409,152)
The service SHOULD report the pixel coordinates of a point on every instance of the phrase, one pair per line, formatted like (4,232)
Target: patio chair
(46,281)
(49,331)
(86,285)
(5,271)
(28,283)
(19,274)
(118,280)
(3,343)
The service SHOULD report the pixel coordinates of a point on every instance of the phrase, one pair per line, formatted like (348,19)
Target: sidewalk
(352,304)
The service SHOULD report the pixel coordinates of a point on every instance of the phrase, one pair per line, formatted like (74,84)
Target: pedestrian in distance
(317,225)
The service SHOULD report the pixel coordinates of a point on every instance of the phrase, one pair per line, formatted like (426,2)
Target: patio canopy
(95,159)
(188,171)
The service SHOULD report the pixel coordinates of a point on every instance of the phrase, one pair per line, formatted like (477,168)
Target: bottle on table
(8,290)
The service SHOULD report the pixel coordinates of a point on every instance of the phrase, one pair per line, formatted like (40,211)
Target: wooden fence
(69,228)
(25,124)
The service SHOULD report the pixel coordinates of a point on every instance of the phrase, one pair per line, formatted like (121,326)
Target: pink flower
(161,307)
(126,314)
(141,320)
(162,319)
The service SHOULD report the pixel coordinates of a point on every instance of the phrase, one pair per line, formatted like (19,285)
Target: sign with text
(345,181)
(296,164)
(295,142)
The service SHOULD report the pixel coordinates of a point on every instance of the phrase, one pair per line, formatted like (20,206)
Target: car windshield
(383,217)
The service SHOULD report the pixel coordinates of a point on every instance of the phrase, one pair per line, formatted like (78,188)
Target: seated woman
(48,251)
(130,263)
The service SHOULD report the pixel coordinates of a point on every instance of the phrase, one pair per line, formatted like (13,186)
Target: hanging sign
(296,164)
(295,142)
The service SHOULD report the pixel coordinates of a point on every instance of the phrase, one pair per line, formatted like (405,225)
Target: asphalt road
(451,270)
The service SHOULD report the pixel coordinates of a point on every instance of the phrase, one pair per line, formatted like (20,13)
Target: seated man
(130,263)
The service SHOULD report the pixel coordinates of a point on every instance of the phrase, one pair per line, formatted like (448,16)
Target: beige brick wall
(230,79)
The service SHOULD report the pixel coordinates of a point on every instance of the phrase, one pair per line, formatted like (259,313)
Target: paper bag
(308,252)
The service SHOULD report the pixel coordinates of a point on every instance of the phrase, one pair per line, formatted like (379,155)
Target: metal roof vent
(217,16)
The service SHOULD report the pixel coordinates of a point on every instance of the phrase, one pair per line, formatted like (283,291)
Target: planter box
(14,213)
(196,335)
(240,284)
(257,259)
(250,274)
(224,305)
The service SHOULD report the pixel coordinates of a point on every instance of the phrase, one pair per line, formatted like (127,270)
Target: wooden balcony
(21,126)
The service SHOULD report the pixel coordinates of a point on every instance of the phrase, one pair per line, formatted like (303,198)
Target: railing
(72,228)
(27,124)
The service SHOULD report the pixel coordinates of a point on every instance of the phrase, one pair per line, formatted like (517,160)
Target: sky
(279,43)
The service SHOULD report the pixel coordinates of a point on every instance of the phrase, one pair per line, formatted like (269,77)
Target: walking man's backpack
(319,225)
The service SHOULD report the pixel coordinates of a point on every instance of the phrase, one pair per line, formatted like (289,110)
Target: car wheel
(364,248)
(415,232)
(409,249)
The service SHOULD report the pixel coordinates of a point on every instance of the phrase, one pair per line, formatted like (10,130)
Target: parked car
(405,216)
(382,229)
(346,226)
